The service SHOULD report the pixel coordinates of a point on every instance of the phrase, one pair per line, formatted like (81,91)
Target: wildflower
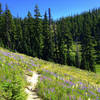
(88,98)
(70,97)
(9,81)
(76,85)
(99,90)
(52,90)
(73,86)
(92,93)
(79,98)
(86,93)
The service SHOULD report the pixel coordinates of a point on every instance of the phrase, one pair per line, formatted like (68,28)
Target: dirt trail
(30,90)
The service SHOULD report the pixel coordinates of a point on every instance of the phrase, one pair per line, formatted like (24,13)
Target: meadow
(57,82)
(98,69)
(13,67)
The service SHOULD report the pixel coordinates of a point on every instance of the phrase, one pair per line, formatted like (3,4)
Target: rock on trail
(30,90)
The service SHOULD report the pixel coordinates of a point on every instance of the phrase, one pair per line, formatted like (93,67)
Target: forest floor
(31,88)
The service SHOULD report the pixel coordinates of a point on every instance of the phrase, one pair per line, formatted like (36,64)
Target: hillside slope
(57,82)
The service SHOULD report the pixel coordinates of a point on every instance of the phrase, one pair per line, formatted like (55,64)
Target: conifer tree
(51,35)
(76,39)
(61,42)
(68,42)
(25,36)
(97,37)
(47,42)
(9,29)
(1,25)
(55,56)
(38,37)
(30,33)
(77,56)
(18,36)
(49,19)
(88,59)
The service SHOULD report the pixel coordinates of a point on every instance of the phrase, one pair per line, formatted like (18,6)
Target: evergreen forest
(72,40)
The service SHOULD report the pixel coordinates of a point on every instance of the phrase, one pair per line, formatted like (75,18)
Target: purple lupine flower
(80,83)
(9,81)
(69,82)
(92,93)
(84,87)
(79,98)
(41,78)
(99,90)
(74,97)
(29,70)
(11,66)
(52,90)
(69,97)
(66,81)
(97,98)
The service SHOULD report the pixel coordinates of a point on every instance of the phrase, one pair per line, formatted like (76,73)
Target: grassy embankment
(57,82)
(98,69)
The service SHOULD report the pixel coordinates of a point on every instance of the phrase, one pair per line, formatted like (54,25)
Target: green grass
(98,69)
(13,67)
(57,82)
(68,83)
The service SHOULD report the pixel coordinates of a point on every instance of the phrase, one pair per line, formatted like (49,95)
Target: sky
(59,8)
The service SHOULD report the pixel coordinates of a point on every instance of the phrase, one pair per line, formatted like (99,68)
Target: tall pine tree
(88,59)
(30,25)
(1,25)
(38,37)
(18,36)
(47,42)
(97,37)
(9,29)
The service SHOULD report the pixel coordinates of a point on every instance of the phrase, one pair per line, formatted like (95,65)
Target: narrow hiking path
(30,90)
